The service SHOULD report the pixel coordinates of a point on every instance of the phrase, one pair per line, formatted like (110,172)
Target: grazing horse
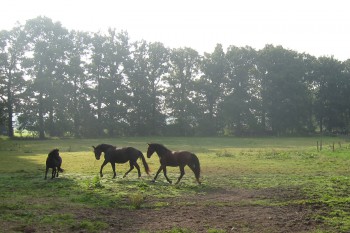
(174,159)
(115,155)
(53,161)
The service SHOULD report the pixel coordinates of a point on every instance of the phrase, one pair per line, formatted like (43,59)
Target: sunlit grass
(226,163)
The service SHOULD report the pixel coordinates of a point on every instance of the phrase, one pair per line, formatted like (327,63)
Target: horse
(53,161)
(174,159)
(115,155)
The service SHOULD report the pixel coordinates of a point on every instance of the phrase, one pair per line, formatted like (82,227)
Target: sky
(316,27)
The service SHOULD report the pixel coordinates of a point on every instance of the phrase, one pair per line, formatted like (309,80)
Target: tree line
(57,82)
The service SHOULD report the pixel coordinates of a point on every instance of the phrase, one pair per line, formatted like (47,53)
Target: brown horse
(53,161)
(115,155)
(174,159)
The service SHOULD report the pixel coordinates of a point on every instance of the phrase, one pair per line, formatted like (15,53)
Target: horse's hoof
(153,181)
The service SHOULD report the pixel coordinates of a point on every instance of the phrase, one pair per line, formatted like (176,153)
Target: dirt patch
(231,211)
(226,210)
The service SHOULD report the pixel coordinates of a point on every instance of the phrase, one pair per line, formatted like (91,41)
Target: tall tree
(12,83)
(157,71)
(346,97)
(330,86)
(145,73)
(285,93)
(97,71)
(184,69)
(76,83)
(107,70)
(139,111)
(116,52)
(239,106)
(212,87)
(45,67)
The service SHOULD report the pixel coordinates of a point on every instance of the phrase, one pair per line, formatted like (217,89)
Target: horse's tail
(196,167)
(144,162)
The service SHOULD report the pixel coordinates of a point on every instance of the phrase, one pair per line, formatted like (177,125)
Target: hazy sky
(317,27)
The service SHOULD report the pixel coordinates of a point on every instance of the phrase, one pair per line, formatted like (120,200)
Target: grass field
(248,185)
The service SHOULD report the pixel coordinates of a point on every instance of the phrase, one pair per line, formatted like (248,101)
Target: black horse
(53,161)
(174,159)
(115,155)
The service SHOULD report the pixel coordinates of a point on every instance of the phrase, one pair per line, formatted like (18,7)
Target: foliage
(55,82)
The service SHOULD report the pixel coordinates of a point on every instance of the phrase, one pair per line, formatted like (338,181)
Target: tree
(12,83)
(239,106)
(76,82)
(331,92)
(109,54)
(184,69)
(145,74)
(346,96)
(45,67)
(96,72)
(212,88)
(116,51)
(284,90)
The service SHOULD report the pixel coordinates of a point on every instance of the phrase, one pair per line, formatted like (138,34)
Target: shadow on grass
(72,201)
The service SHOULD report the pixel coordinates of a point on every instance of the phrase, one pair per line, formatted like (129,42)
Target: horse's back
(52,162)
(177,158)
(123,155)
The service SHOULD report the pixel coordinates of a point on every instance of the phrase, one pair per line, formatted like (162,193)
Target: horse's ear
(94,147)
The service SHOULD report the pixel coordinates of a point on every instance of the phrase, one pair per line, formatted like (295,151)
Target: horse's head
(97,152)
(54,153)
(150,150)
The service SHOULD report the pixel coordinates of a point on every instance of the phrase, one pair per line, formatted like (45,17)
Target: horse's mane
(105,146)
(159,147)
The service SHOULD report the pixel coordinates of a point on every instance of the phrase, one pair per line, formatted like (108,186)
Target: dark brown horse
(53,161)
(115,155)
(174,159)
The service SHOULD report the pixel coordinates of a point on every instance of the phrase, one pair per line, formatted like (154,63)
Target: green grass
(322,177)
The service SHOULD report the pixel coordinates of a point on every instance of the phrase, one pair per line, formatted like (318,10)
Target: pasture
(248,185)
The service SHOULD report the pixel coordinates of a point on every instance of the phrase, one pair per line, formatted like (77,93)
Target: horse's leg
(103,164)
(131,167)
(47,170)
(138,168)
(159,170)
(182,173)
(53,172)
(166,177)
(57,171)
(113,167)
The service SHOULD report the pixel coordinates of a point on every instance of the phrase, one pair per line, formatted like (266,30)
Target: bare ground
(228,211)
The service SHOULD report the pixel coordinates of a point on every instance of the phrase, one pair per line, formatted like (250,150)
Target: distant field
(249,185)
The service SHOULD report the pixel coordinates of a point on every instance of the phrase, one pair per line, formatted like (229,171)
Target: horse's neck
(105,148)
(163,152)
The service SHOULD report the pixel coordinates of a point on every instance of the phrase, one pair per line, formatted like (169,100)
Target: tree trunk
(41,117)
(10,107)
